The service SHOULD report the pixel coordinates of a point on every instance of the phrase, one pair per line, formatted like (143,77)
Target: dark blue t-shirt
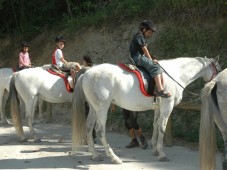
(136,45)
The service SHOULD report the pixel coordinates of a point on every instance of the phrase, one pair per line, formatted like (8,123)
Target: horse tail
(207,138)
(78,116)
(14,107)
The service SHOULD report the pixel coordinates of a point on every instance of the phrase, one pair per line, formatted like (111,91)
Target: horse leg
(101,130)
(40,102)
(30,110)
(3,99)
(161,131)
(155,132)
(90,123)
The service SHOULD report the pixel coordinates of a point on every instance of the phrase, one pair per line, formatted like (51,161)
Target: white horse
(31,84)
(5,77)
(106,83)
(213,110)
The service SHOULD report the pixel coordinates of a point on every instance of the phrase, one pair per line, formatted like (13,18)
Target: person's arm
(147,54)
(59,55)
(63,60)
(78,66)
(30,64)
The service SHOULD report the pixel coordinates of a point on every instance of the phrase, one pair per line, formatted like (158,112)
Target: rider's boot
(134,142)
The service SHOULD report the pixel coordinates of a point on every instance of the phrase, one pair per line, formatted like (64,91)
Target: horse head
(213,68)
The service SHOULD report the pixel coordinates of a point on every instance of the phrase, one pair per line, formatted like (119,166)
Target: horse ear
(217,58)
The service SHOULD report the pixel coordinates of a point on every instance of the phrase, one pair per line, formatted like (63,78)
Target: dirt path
(54,153)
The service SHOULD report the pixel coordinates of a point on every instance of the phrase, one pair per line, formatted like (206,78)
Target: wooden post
(168,133)
(49,112)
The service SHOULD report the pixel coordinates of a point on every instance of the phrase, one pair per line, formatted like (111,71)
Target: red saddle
(67,85)
(151,82)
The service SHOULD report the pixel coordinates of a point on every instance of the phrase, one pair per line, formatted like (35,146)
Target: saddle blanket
(147,84)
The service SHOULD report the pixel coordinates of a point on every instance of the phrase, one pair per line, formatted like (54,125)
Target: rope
(195,94)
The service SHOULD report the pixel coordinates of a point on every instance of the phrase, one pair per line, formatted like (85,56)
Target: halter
(215,68)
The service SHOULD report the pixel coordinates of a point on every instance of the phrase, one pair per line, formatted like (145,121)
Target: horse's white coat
(5,77)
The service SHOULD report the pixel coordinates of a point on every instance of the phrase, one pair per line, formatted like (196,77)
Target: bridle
(215,69)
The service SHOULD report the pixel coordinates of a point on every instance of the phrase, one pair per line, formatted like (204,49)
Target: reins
(195,94)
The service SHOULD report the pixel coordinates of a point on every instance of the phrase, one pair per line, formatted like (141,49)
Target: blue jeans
(151,67)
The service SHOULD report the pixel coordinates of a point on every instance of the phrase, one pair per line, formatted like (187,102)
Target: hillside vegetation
(104,28)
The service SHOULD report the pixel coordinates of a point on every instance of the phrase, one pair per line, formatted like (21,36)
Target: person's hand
(155,60)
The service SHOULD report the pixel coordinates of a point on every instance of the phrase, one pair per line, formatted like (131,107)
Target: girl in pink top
(24,60)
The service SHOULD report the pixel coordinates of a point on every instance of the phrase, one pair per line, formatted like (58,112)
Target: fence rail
(188,106)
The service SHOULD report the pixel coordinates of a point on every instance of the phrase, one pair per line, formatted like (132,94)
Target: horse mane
(179,59)
(170,64)
(204,60)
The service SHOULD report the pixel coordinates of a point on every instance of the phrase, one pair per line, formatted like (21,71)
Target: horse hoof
(97,159)
(116,161)
(155,153)
(37,140)
(163,159)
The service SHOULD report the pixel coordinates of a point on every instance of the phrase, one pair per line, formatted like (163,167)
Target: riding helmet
(148,24)
(60,38)
(25,44)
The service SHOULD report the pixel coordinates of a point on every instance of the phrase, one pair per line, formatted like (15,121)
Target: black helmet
(25,44)
(148,24)
(60,38)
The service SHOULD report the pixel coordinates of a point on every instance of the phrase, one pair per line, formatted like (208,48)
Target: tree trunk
(69,8)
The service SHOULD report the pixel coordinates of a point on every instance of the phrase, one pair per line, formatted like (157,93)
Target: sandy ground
(54,152)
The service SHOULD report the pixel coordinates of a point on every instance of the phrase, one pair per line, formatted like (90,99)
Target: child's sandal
(163,94)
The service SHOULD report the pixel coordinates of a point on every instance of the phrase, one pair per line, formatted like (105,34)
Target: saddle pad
(67,85)
(142,76)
